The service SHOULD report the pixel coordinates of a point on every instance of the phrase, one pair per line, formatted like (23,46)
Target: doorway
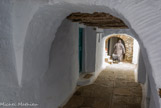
(81,32)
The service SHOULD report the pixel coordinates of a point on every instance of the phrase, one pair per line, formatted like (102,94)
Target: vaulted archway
(45,22)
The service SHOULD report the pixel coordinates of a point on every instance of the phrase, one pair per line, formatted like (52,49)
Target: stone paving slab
(114,88)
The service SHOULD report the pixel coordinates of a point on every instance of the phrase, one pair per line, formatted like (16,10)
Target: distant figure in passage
(119,50)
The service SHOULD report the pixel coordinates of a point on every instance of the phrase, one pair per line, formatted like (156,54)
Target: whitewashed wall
(90,49)
(40,19)
(59,82)
(99,53)
(136,50)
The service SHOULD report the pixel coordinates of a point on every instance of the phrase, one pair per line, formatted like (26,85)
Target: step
(86,79)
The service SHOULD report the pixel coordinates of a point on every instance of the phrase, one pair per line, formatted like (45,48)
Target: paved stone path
(114,88)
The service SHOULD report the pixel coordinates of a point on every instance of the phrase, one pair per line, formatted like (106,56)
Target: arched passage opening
(130,44)
(39,64)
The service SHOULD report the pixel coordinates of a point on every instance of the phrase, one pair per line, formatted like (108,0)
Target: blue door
(80,48)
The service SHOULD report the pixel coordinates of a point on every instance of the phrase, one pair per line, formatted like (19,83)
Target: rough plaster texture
(40,20)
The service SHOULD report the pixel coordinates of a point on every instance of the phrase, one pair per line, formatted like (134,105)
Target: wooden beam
(99,19)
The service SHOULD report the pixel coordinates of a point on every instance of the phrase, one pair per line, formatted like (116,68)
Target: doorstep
(86,79)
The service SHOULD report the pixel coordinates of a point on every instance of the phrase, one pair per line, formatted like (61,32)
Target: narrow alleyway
(114,88)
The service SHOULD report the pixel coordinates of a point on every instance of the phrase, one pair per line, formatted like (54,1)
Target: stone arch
(46,20)
(128,42)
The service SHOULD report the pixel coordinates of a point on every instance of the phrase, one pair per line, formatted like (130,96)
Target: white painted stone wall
(8,76)
(146,93)
(99,53)
(108,32)
(61,78)
(40,19)
(136,49)
(142,77)
(90,49)
(22,13)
